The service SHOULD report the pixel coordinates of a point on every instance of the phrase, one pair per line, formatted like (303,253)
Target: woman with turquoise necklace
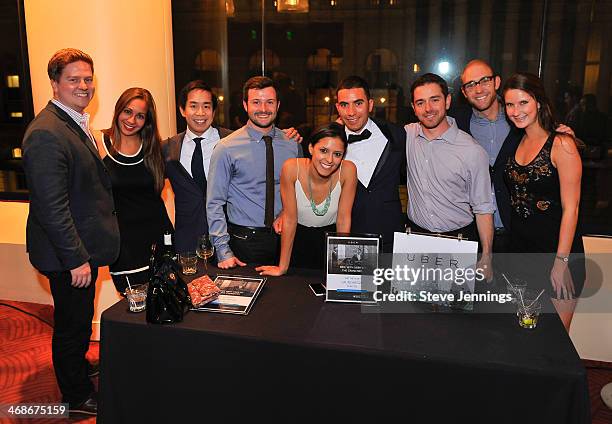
(317,197)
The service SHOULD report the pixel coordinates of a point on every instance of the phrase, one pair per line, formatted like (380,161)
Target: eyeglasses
(483,82)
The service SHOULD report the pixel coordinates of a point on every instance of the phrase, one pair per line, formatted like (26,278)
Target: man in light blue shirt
(486,121)
(240,179)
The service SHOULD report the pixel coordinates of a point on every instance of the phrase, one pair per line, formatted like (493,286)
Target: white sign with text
(433,263)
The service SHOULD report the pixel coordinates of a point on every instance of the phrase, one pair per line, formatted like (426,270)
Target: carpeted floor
(26,371)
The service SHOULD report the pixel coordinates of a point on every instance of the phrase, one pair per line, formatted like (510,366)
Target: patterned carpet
(26,371)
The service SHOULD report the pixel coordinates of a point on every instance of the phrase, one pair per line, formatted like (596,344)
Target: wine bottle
(168,250)
(152,260)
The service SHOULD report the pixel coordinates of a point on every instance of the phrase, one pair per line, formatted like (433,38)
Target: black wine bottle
(152,260)
(168,249)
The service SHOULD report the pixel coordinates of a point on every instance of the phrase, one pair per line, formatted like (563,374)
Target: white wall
(591,329)
(130,43)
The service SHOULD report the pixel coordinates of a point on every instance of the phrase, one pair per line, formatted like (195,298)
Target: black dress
(141,214)
(535,196)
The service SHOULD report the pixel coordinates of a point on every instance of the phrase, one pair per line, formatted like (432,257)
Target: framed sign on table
(438,269)
(351,261)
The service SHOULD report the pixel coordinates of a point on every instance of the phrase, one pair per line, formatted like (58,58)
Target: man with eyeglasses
(486,122)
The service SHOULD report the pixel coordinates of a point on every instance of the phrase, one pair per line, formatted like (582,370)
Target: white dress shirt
(366,153)
(210,139)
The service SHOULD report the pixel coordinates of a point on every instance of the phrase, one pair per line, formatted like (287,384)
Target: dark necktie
(197,165)
(269,216)
(352,138)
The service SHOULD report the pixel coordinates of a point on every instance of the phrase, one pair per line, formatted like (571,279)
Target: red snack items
(202,290)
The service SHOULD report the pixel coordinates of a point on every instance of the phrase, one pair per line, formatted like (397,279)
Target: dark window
(16,99)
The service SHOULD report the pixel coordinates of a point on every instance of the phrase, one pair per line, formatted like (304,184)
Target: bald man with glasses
(486,121)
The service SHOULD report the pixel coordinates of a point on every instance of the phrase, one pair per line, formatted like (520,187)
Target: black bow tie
(352,138)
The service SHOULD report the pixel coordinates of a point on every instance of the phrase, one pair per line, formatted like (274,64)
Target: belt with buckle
(254,230)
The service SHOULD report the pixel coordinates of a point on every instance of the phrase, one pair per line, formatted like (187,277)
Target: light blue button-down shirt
(491,136)
(237,178)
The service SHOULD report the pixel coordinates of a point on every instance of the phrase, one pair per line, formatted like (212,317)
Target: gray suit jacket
(72,218)
(189,200)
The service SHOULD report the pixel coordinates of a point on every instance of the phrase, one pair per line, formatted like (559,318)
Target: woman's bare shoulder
(565,144)
(349,169)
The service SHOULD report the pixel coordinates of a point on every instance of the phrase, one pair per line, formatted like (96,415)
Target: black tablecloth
(296,356)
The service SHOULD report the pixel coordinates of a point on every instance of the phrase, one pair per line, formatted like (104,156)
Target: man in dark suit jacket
(197,104)
(378,149)
(72,228)
(485,120)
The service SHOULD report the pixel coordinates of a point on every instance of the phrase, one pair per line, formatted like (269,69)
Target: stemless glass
(189,262)
(205,249)
(528,308)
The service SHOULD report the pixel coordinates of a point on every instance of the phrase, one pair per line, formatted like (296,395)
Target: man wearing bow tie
(377,149)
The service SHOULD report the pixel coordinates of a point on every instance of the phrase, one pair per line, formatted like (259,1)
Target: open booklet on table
(237,295)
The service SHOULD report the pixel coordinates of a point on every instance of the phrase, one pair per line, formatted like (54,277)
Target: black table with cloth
(296,357)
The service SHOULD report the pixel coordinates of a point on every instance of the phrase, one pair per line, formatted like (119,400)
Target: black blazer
(502,195)
(72,218)
(189,200)
(377,208)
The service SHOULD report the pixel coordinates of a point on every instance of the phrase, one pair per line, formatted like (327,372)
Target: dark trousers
(255,246)
(501,241)
(468,232)
(73,312)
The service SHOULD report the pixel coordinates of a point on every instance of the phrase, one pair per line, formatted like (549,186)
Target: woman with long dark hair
(131,152)
(544,178)
(317,196)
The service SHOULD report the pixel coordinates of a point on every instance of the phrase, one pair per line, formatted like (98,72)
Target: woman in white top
(317,197)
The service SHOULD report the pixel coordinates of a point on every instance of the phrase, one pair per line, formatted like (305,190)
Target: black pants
(255,246)
(309,249)
(73,312)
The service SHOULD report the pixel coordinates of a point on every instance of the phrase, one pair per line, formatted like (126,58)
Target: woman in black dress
(544,180)
(131,151)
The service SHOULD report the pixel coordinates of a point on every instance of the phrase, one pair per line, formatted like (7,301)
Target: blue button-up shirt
(237,178)
(491,136)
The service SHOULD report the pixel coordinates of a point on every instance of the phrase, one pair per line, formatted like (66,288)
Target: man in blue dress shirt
(485,120)
(240,174)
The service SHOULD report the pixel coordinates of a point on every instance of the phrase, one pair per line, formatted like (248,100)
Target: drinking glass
(137,297)
(528,308)
(205,249)
(189,262)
